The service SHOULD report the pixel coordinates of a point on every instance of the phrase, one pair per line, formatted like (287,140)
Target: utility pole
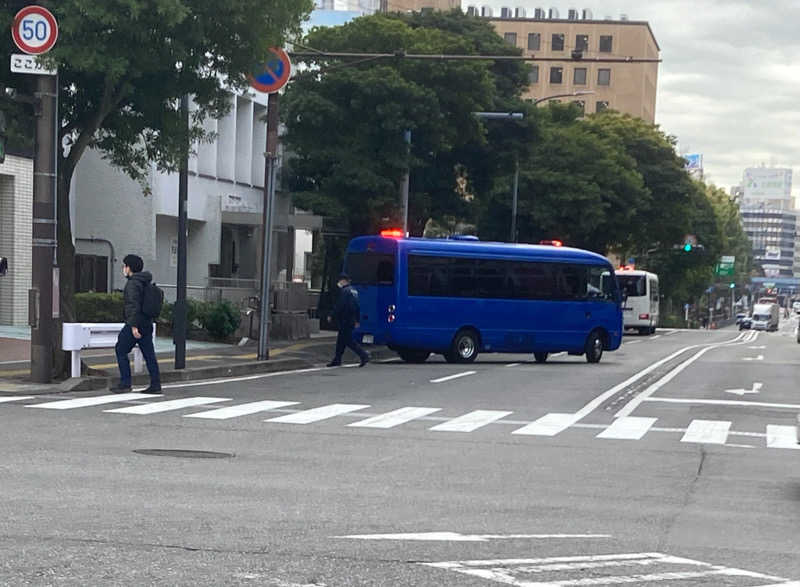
(179,335)
(384,6)
(514,200)
(406,182)
(267,214)
(43,302)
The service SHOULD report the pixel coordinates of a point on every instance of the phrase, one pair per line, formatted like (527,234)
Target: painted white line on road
(722,402)
(241,410)
(632,342)
(169,405)
(451,377)
(457,537)
(84,402)
(245,378)
(513,365)
(782,437)
(654,337)
(758,347)
(318,414)
(629,428)
(471,421)
(707,432)
(15,398)
(548,425)
(758,358)
(394,418)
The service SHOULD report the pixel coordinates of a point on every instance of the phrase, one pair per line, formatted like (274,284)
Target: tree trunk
(66,265)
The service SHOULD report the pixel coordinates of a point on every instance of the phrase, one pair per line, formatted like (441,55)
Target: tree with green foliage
(346,122)
(123,67)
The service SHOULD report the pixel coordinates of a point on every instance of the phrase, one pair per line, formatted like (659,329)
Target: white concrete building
(16,213)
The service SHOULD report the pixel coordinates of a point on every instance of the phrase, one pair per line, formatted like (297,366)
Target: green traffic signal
(687,247)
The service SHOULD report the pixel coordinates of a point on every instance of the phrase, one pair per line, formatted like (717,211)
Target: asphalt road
(672,462)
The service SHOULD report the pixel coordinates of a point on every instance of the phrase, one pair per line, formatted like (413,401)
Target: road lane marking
(457,537)
(782,437)
(547,425)
(707,432)
(394,418)
(513,365)
(758,347)
(83,402)
(317,414)
(245,378)
(451,377)
(722,402)
(169,405)
(241,410)
(654,337)
(632,342)
(758,358)
(15,398)
(629,428)
(471,421)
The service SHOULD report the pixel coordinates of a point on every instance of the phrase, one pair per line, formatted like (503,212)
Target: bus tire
(645,331)
(413,356)
(540,357)
(595,344)
(464,348)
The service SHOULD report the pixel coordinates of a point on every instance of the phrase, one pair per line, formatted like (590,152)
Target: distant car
(746,323)
(740,316)
(796,307)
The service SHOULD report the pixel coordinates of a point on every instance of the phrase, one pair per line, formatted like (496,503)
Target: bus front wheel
(464,348)
(412,356)
(594,346)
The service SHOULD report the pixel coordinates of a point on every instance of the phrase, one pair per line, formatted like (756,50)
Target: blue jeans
(125,344)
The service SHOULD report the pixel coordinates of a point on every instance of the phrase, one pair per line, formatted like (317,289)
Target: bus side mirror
(3,265)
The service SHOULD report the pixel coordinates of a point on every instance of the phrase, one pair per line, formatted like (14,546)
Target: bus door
(373,276)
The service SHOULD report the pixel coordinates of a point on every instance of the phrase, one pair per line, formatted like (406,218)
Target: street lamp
(508,116)
(570,95)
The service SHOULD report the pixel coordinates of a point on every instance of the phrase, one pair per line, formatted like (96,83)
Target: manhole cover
(183,454)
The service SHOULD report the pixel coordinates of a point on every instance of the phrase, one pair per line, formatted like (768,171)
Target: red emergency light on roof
(552,243)
(392,233)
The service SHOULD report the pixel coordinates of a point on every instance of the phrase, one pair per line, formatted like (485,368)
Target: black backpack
(152,300)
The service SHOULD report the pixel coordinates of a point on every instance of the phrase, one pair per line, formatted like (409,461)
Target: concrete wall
(16,209)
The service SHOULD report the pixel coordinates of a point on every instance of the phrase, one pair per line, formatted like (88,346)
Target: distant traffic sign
(35,30)
(274,74)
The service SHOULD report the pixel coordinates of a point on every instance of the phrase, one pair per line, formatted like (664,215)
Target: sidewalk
(203,361)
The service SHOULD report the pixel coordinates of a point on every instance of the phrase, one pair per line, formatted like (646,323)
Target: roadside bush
(194,310)
(98,307)
(220,319)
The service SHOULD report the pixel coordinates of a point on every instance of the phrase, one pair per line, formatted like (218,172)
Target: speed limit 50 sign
(35,30)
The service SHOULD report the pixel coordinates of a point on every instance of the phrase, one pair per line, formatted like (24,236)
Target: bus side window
(571,281)
(600,285)
(462,278)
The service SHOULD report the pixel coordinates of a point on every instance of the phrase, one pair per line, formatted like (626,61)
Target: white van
(765,317)
(640,310)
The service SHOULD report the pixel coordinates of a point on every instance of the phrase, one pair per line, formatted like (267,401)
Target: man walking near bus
(138,327)
(347,313)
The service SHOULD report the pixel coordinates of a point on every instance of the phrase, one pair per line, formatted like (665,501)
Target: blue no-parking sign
(274,74)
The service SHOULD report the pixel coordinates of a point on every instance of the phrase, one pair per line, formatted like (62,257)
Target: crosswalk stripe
(707,432)
(173,404)
(628,428)
(241,410)
(15,398)
(85,402)
(782,436)
(471,421)
(394,418)
(547,425)
(317,414)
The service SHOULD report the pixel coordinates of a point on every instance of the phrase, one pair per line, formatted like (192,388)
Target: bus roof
(474,247)
(635,272)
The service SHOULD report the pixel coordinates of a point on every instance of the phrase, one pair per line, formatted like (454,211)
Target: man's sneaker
(153,389)
(333,364)
(121,389)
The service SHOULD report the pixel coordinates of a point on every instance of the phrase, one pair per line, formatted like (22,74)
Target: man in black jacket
(138,328)
(347,314)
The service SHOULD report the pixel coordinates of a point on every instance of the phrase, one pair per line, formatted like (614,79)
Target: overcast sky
(729,85)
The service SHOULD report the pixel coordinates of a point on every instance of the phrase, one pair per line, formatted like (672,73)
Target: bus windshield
(370,268)
(632,285)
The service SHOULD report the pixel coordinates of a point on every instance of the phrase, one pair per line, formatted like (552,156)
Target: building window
(582,105)
(510,38)
(603,77)
(556,75)
(601,105)
(533,75)
(582,42)
(579,77)
(558,42)
(534,41)
(91,273)
(606,43)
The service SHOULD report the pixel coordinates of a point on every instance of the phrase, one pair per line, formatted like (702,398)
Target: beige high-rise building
(626,87)
(417,5)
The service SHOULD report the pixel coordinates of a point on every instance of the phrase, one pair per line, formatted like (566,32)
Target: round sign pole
(268,79)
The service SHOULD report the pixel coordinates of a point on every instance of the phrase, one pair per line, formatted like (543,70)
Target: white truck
(765,317)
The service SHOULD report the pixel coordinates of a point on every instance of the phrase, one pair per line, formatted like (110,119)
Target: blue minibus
(461,297)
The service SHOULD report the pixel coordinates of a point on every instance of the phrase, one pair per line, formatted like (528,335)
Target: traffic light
(688,247)
(732,285)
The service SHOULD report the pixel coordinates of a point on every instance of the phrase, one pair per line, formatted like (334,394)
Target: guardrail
(77,336)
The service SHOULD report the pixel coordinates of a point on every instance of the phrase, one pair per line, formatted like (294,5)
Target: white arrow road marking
(756,388)
(456,537)
(758,358)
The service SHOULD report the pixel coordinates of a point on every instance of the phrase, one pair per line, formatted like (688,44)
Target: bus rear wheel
(464,348)
(412,356)
(540,357)
(594,346)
